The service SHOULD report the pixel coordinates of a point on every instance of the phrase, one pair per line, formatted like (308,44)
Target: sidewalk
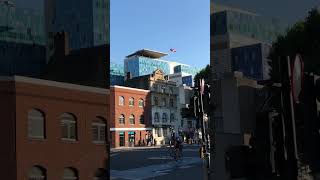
(119,149)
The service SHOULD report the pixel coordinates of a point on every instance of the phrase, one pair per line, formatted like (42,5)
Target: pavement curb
(134,148)
(112,150)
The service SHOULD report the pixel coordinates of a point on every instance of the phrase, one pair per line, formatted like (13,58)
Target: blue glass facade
(86,22)
(186,69)
(187,80)
(251,61)
(139,66)
(116,74)
(250,25)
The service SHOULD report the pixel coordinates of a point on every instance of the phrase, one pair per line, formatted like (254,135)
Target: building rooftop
(148,53)
(215,8)
(49,83)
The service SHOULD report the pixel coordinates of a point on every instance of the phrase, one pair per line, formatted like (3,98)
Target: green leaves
(302,38)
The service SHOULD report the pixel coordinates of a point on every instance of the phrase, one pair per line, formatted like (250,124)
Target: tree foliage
(203,74)
(302,38)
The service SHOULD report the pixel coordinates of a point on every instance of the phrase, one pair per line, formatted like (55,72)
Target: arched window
(156,117)
(37,173)
(36,124)
(131,119)
(141,103)
(121,119)
(171,117)
(69,126)
(99,130)
(121,101)
(100,174)
(142,119)
(131,101)
(164,117)
(70,174)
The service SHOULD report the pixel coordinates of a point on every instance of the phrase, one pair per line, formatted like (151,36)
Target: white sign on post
(297,77)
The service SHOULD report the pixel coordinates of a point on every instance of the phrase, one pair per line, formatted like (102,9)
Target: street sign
(297,77)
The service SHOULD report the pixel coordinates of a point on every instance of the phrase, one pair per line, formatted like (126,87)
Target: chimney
(61,44)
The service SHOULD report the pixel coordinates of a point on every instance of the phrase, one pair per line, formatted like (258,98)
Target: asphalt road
(155,164)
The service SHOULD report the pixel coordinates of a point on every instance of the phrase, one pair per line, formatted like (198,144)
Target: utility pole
(200,110)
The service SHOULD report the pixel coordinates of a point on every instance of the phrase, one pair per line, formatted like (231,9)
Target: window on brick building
(141,103)
(36,124)
(131,101)
(69,126)
(156,117)
(164,117)
(131,119)
(37,173)
(70,174)
(121,101)
(99,130)
(121,119)
(142,119)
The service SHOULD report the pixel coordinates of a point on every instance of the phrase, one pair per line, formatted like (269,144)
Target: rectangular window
(155,101)
(142,119)
(171,103)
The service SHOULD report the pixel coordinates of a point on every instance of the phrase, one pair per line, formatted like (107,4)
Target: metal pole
(292,113)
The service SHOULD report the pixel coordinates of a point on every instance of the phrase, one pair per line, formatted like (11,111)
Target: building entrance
(131,138)
(121,139)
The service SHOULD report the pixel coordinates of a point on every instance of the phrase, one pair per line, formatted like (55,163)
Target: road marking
(154,170)
(115,154)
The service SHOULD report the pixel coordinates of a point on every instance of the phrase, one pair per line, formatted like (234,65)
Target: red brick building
(52,130)
(130,120)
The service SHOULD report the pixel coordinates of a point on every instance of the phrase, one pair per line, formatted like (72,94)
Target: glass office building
(252,61)
(186,69)
(20,25)
(139,66)
(22,40)
(85,21)
(116,74)
(247,24)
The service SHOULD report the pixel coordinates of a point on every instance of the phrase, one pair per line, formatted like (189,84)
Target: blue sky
(161,25)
